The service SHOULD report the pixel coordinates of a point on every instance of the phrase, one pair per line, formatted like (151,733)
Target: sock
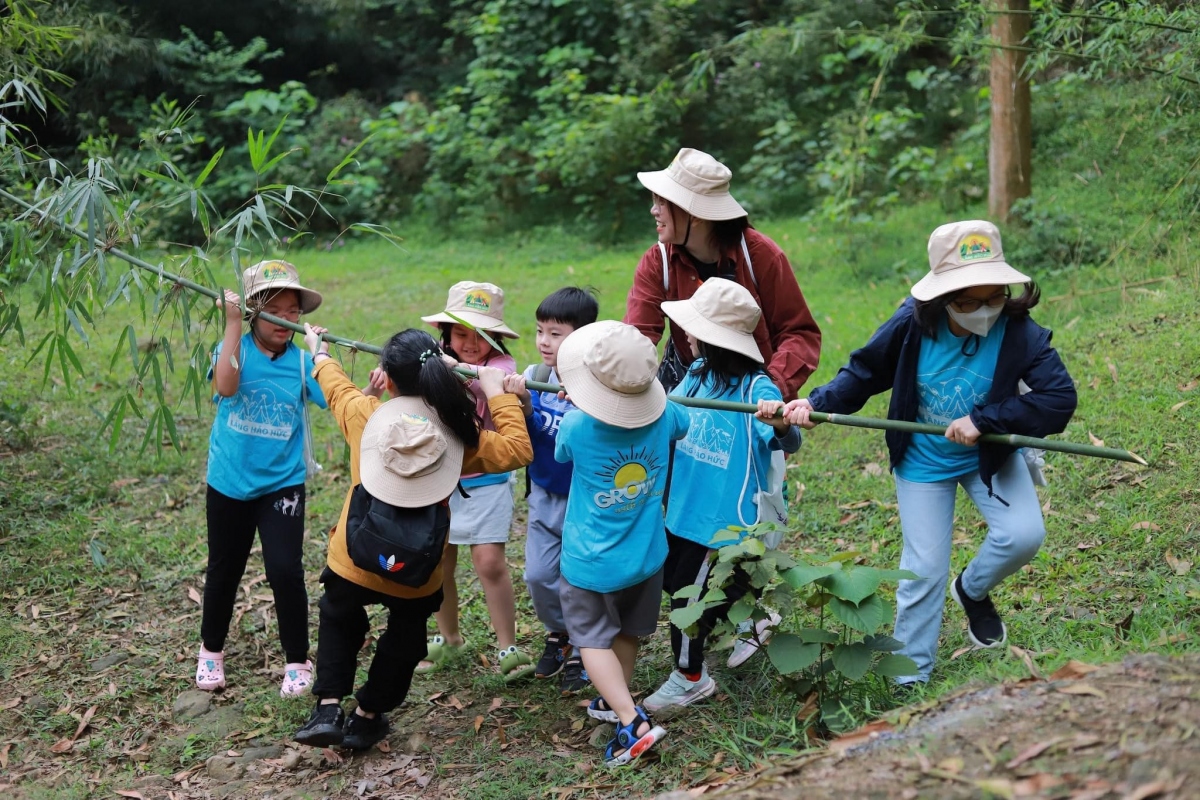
(692,676)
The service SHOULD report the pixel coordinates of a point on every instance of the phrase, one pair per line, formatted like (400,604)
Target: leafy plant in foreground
(830,659)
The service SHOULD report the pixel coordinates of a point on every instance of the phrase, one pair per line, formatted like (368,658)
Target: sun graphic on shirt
(630,472)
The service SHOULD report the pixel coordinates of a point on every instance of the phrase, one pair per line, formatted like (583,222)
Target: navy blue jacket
(889,361)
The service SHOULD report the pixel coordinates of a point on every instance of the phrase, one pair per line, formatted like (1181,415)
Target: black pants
(688,563)
(279,519)
(341,634)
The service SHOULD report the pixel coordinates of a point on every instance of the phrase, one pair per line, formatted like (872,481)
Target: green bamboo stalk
(1013,440)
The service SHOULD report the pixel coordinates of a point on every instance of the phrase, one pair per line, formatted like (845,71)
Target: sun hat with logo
(275,276)
(721,313)
(407,457)
(610,371)
(962,255)
(480,305)
(697,183)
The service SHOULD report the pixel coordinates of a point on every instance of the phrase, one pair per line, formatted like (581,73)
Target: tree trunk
(1009,158)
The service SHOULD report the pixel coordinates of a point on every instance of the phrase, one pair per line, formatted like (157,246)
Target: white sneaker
(746,645)
(679,691)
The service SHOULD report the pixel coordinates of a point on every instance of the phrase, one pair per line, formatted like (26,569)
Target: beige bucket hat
(408,457)
(697,183)
(721,313)
(481,305)
(275,276)
(610,370)
(962,255)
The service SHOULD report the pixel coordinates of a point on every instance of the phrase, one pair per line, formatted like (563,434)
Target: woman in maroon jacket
(704,233)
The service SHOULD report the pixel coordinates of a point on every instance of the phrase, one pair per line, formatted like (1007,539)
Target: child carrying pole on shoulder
(613,544)
(257,468)
(722,448)
(406,457)
(561,313)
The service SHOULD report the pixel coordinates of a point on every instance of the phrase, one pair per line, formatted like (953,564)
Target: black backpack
(403,545)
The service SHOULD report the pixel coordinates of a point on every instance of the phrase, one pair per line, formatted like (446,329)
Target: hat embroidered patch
(414,419)
(478,301)
(975,247)
(273,271)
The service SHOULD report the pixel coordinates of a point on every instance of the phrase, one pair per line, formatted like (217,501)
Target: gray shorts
(594,619)
(483,518)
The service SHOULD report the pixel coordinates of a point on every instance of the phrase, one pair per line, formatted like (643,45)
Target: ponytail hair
(725,368)
(413,362)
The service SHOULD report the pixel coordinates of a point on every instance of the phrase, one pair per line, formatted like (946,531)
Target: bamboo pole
(1013,440)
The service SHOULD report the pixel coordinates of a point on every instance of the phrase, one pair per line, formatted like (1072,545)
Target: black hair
(727,234)
(726,368)
(929,312)
(445,328)
(412,359)
(570,305)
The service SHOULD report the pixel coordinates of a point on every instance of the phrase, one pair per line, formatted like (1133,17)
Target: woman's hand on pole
(797,413)
(491,381)
(963,431)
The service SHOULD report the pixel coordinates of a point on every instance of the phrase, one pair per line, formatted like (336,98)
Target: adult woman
(955,354)
(704,233)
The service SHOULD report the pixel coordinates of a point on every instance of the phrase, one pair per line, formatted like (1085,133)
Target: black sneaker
(574,677)
(551,662)
(363,733)
(984,626)
(324,726)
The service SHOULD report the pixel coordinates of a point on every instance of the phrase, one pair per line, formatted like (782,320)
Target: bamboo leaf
(204,173)
(482,333)
(349,159)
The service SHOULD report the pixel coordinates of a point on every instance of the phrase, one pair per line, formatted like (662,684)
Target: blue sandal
(599,710)
(632,745)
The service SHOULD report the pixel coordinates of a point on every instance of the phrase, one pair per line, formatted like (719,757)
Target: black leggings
(688,563)
(343,629)
(279,519)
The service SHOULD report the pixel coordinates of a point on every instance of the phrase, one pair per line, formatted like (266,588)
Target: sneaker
(363,733)
(630,743)
(553,655)
(679,691)
(749,643)
(324,726)
(210,670)
(984,626)
(296,678)
(574,676)
(514,665)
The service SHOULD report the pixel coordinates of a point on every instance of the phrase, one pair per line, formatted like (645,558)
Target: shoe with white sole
(750,643)
(679,691)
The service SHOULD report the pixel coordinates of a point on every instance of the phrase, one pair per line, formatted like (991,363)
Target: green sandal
(515,665)
(439,654)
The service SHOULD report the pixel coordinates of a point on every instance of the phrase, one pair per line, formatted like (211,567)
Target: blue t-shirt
(949,385)
(543,424)
(613,535)
(257,441)
(723,461)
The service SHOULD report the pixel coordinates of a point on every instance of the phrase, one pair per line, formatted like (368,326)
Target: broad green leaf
(801,575)
(896,666)
(789,654)
(852,584)
(742,609)
(852,660)
(686,617)
(883,643)
(692,590)
(816,635)
(866,617)
(725,535)
(836,715)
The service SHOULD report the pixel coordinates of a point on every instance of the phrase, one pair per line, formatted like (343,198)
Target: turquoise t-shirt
(949,385)
(257,441)
(613,535)
(714,479)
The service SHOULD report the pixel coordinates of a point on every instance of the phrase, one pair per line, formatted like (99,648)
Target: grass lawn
(102,553)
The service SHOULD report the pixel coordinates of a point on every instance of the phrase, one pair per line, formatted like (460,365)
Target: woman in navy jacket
(964,353)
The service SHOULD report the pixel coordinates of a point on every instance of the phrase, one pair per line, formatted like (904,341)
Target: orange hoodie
(502,450)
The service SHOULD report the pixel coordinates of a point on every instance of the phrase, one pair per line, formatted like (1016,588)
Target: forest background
(391,147)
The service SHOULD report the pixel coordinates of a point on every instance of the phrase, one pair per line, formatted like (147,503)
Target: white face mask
(979,321)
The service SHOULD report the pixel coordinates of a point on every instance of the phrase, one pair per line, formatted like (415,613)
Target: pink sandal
(210,670)
(296,678)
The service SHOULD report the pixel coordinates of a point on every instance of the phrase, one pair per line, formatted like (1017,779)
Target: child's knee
(489,562)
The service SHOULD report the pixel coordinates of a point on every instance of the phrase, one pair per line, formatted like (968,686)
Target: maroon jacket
(787,334)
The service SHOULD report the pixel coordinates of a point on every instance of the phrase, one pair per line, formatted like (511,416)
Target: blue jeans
(1015,532)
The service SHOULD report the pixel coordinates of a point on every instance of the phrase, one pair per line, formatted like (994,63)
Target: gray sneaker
(679,691)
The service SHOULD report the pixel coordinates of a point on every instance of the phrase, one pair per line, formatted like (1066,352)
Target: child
(409,452)
(955,354)
(613,545)
(256,468)
(484,518)
(557,316)
(722,449)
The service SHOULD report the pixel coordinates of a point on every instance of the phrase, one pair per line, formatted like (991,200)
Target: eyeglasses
(966,305)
